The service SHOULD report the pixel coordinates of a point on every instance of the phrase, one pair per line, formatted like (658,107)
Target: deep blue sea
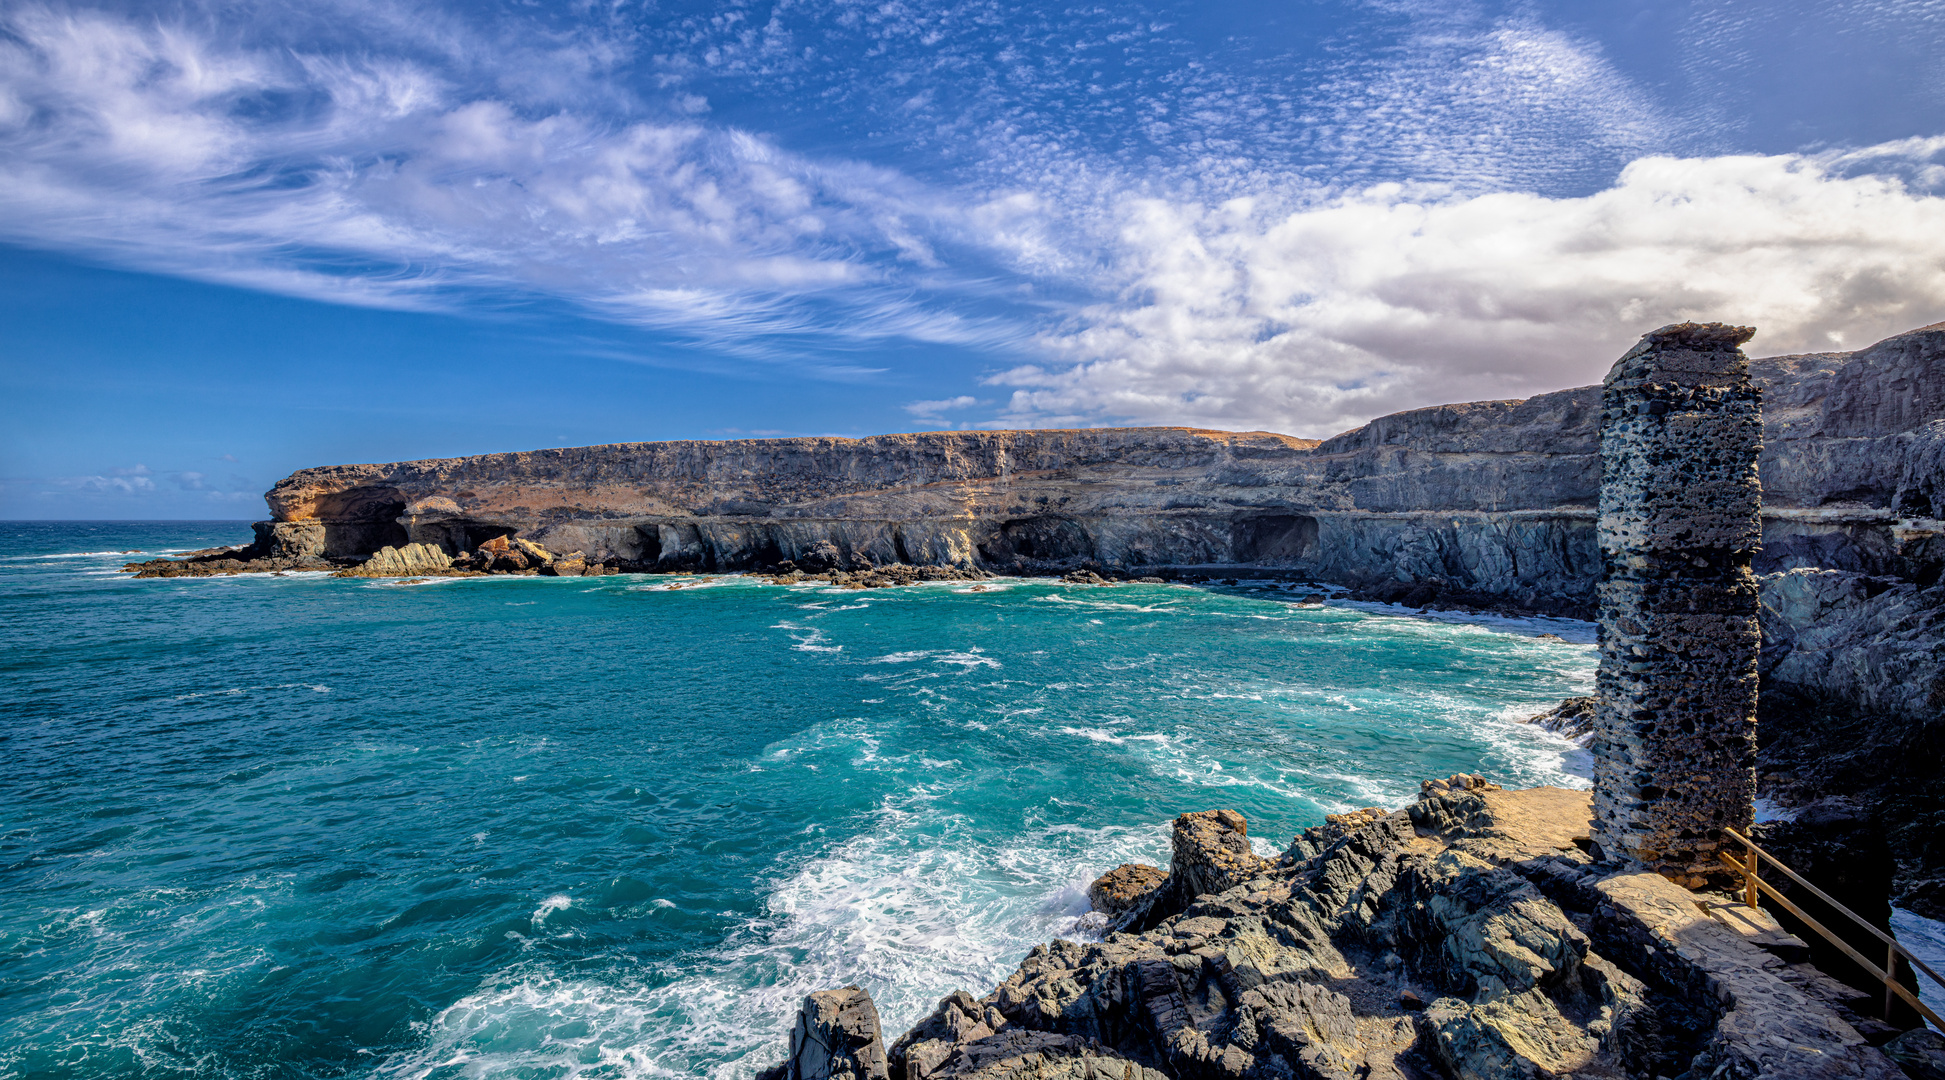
(536,827)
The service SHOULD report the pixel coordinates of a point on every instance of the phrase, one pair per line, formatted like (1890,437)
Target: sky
(241,238)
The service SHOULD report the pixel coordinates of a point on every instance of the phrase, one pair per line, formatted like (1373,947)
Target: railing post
(1750,895)
(1890,978)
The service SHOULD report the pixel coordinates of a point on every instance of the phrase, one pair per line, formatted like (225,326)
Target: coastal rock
(1335,827)
(1211,855)
(1125,887)
(1324,967)
(1517,1037)
(1573,718)
(1920,1053)
(1492,501)
(836,1037)
(1457,782)
(413,560)
(572,564)
(1038,1055)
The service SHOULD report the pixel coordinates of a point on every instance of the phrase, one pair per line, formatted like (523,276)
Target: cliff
(1491,500)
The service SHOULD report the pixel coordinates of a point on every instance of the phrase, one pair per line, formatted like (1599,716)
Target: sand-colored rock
(1124,886)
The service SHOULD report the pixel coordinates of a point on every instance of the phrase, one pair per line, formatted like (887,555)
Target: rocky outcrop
(1469,936)
(413,560)
(836,1037)
(1493,502)
(1123,888)
(1211,855)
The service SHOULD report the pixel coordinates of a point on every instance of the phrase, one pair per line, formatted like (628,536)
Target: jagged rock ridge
(1468,936)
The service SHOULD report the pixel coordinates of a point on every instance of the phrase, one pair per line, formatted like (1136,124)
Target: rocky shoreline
(1471,934)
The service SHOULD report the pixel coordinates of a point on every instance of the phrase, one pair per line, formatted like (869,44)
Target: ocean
(300,826)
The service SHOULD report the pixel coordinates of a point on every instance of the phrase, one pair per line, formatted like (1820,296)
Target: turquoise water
(299,826)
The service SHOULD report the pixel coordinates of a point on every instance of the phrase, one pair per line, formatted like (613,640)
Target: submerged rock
(1573,718)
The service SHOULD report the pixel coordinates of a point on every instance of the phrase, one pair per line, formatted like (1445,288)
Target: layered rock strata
(1675,712)
(1485,502)
(1470,935)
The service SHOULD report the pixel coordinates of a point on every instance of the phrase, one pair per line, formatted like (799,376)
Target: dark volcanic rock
(1390,953)
(1920,1053)
(1572,718)
(836,1038)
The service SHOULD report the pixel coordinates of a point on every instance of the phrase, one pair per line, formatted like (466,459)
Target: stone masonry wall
(1675,722)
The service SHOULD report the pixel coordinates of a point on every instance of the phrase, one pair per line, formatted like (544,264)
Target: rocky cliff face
(1492,500)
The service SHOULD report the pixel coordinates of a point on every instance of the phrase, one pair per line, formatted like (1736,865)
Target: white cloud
(1388,298)
(137,480)
(932,410)
(363,178)
(1200,276)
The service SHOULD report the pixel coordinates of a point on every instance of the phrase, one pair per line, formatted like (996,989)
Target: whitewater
(611,827)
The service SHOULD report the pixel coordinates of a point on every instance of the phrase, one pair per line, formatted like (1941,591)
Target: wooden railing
(1753,884)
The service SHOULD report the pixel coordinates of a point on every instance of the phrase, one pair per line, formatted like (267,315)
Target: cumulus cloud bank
(1393,297)
(1182,274)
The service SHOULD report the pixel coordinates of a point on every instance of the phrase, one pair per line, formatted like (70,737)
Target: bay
(301,826)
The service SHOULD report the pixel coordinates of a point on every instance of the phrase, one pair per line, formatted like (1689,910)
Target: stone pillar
(1675,718)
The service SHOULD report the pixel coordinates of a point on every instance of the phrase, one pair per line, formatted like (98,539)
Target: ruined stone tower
(1675,722)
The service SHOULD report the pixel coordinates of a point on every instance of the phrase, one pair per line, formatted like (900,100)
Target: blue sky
(242,238)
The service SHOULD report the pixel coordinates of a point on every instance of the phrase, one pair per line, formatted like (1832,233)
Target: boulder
(412,560)
(572,564)
(504,562)
(1920,1053)
(820,556)
(836,1038)
(537,556)
(1123,887)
